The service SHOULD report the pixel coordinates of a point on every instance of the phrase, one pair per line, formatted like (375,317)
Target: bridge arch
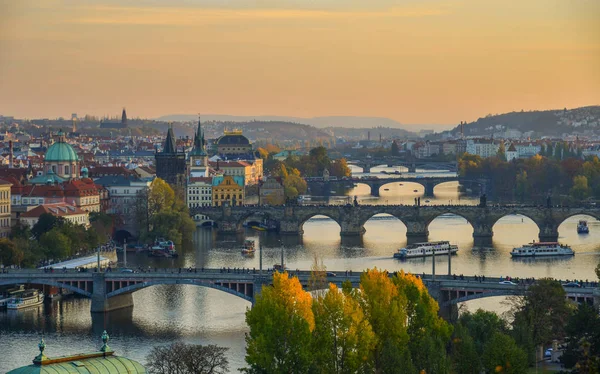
(562,226)
(46,282)
(193,282)
(446,213)
(481,295)
(304,218)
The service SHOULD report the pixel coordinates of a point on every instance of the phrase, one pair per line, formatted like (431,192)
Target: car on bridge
(508,283)
(331,274)
(571,284)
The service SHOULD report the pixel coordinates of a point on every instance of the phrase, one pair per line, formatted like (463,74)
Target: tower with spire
(170,162)
(198,158)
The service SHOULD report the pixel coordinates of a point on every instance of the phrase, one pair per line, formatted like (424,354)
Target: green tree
(502,355)
(342,338)
(55,244)
(543,312)
(580,189)
(45,223)
(465,358)
(501,152)
(10,254)
(281,322)
(294,185)
(583,326)
(481,325)
(522,185)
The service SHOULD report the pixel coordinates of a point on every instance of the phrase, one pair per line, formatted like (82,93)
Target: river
(163,314)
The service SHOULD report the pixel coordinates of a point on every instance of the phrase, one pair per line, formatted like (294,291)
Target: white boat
(27,298)
(542,249)
(426,249)
(582,227)
(8,293)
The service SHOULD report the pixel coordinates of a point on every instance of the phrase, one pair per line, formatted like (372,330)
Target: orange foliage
(295,300)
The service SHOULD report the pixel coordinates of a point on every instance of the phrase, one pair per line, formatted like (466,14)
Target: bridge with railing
(366,163)
(111,290)
(376,184)
(417,219)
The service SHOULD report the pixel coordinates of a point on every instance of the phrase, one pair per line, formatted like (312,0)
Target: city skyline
(459,59)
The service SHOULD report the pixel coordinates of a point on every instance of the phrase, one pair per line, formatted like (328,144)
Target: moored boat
(163,248)
(26,299)
(426,249)
(8,293)
(248,247)
(542,249)
(582,227)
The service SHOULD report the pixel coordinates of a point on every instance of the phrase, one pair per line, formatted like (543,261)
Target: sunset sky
(426,61)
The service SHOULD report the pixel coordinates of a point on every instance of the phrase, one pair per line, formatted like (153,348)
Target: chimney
(10,154)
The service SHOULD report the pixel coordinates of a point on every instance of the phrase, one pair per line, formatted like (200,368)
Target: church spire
(170,145)
(124,118)
(199,143)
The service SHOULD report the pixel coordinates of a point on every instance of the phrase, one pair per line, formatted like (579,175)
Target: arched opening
(384,234)
(321,229)
(360,189)
(121,235)
(572,231)
(453,228)
(400,192)
(514,230)
(447,190)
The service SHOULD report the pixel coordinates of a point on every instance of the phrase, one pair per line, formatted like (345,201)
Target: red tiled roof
(59,210)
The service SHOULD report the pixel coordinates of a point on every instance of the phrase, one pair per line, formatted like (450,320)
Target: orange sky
(426,61)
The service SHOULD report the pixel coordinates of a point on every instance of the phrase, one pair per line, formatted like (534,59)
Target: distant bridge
(376,183)
(352,219)
(367,163)
(113,290)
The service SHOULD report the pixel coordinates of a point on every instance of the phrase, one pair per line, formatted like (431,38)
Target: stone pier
(100,303)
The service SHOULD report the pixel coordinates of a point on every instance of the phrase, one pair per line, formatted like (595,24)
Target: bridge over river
(366,163)
(376,183)
(352,219)
(111,290)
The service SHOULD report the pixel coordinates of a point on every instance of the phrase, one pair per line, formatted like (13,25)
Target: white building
(527,150)
(511,153)
(68,212)
(482,148)
(123,192)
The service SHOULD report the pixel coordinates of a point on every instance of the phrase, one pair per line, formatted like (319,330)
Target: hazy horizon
(415,62)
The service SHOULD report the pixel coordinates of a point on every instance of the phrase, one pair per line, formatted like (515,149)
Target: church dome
(233,139)
(62,152)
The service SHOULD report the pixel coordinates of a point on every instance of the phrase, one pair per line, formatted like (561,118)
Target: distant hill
(584,120)
(320,122)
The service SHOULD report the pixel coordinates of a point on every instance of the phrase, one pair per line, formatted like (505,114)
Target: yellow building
(4,208)
(228,189)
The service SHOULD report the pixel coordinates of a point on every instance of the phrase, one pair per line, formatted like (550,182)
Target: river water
(163,314)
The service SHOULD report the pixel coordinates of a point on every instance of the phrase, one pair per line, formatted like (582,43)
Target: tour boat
(426,249)
(163,248)
(258,228)
(25,299)
(582,227)
(7,294)
(542,249)
(248,248)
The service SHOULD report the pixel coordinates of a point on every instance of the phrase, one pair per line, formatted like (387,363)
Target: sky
(415,61)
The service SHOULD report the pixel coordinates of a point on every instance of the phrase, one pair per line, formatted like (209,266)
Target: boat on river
(8,293)
(582,227)
(542,249)
(248,248)
(426,249)
(26,299)
(163,248)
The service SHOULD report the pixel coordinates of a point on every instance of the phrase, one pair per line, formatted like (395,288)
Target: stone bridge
(352,219)
(376,184)
(412,165)
(113,289)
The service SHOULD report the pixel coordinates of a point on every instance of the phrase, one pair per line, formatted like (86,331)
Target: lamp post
(260,259)
(125,253)
(433,266)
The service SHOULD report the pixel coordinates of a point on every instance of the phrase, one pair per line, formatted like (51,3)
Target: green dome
(108,365)
(61,151)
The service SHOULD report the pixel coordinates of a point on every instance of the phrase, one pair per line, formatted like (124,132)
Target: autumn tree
(281,322)
(580,189)
(385,309)
(343,338)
